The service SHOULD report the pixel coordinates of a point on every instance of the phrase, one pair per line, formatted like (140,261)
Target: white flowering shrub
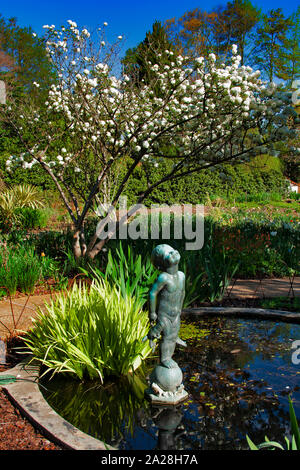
(93,121)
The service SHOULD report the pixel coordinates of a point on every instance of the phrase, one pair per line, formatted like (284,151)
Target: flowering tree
(93,123)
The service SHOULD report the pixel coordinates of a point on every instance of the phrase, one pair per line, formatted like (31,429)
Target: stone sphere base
(166,385)
(168,379)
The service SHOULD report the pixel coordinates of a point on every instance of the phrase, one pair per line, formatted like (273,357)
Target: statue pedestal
(168,398)
(166,387)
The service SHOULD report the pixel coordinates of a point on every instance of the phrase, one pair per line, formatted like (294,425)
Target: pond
(238,374)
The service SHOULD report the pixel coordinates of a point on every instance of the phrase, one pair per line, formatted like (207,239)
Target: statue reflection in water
(167,419)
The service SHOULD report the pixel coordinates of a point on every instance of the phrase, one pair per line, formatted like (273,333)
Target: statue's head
(164,256)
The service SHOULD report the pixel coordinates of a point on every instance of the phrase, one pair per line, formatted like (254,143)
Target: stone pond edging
(255,313)
(27,397)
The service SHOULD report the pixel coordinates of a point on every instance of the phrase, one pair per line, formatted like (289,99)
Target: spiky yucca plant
(22,195)
(27,195)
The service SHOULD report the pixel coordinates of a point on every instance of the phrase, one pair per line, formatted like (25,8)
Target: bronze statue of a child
(165,302)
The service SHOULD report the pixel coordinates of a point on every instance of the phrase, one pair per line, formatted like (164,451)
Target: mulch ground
(16,432)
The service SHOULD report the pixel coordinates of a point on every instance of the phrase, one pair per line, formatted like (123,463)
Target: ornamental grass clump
(20,268)
(90,332)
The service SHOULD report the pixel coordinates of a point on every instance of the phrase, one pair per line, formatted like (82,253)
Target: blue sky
(130,18)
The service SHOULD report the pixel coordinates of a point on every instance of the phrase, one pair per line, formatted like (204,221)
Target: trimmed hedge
(194,188)
(240,179)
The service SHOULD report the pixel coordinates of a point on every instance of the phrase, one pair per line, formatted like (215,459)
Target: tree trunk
(97,248)
(79,245)
(76,245)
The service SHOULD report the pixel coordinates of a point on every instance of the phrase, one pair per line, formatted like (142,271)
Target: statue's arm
(182,290)
(156,288)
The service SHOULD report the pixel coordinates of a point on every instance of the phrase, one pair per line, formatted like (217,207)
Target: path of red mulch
(16,432)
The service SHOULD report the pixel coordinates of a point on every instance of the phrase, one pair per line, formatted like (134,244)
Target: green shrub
(294,195)
(91,332)
(30,218)
(21,268)
(36,176)
(240,180)
(53,243)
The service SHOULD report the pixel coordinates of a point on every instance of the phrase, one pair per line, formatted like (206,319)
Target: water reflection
(236,374)
(167,419)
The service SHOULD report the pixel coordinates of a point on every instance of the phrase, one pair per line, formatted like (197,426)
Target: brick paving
(266,288)
(23,320)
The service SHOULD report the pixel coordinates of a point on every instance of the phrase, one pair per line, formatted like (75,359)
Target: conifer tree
(271,41)
(288,68)
(138,61)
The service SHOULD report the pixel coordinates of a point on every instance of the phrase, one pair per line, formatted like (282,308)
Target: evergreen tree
(23,61)
(289,68)
(272,36)
(138,61)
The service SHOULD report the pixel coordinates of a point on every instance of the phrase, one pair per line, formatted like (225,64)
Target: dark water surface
(238,373)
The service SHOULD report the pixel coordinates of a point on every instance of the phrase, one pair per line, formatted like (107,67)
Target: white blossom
(86,33)
(234,49)
(200,101)
(72,24)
